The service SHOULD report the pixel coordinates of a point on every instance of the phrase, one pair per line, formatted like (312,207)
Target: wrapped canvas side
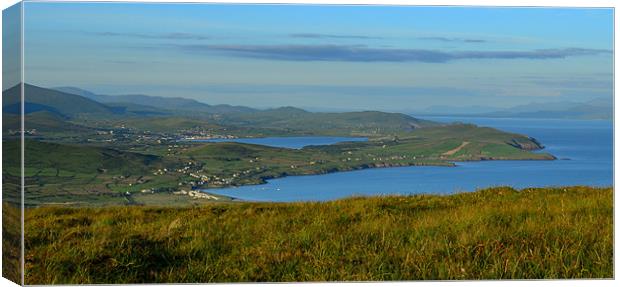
(12,145)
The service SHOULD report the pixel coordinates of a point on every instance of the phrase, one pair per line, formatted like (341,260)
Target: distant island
(596,109)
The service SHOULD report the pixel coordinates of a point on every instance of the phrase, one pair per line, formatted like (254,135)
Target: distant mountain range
(447,110)
(54,102)
(72,101)
(165,103)
(594,109)
(72,105)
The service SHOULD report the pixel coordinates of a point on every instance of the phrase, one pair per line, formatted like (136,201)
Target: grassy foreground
(488,234)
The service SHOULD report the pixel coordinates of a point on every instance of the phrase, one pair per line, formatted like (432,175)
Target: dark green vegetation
(11,215)
(489,234)
(91,149)
(11,241)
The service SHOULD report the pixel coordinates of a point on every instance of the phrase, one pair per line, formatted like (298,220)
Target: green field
(93,174)
(489,234)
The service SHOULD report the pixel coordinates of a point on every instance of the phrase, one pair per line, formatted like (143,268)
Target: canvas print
(204,142)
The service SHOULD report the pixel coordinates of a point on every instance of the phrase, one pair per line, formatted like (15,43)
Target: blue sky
(392,58)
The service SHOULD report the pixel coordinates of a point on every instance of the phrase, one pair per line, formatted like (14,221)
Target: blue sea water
(584,149)
(289,142)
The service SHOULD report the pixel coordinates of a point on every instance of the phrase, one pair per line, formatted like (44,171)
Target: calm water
(289,142)
(587,146)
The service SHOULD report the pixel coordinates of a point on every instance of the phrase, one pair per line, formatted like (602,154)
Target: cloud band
(353,53)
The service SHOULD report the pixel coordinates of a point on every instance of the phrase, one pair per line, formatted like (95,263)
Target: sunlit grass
(489,234)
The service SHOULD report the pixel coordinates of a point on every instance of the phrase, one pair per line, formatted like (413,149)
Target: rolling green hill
(44,122)
(41,99)
(51,158)
(242,120)
(350,123)
(82,174)
(168,124)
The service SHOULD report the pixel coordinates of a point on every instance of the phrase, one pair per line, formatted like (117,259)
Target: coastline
(450,164)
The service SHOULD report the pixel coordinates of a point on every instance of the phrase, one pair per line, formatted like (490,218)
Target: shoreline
(265,180)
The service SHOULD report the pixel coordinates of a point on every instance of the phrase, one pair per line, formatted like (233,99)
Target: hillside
(169,104)
(354,123)
(79,174)
(51,158)
(279,121)
(44,122)
(168,124)
(287,121)
(497,233)
(56,102)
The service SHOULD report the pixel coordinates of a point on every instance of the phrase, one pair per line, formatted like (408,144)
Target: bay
(288,142)
(584,149)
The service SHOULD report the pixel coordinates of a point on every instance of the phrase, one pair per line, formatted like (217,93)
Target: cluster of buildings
(196,194)
(30,132)
(198,133)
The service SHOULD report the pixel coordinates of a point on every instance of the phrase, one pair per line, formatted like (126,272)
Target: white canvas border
(503,3)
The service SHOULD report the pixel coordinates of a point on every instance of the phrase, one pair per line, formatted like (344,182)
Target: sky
(323,57)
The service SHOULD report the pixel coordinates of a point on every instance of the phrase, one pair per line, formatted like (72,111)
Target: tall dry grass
(489,234)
